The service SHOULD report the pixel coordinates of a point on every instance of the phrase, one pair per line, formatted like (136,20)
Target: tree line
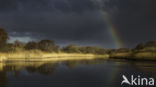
(50,46)
(44,45)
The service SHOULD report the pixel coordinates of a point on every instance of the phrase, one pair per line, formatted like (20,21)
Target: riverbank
(138,55)
(34,56)
(41,56)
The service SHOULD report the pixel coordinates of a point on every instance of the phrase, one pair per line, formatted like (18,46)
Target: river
(84,73)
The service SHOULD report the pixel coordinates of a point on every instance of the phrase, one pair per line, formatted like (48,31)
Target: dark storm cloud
(79,20)
(136,20)
(51,23)
(48,5)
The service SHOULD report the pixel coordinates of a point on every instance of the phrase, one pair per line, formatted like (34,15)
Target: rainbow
(114,72)
(112,31)
(110,27)
(117,44)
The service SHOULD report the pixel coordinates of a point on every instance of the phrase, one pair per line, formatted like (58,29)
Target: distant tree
(150,44)
(123,50)
(31,45)
(87,49)
(3,38)
(83,49)
(47,45)
(56,48)
(71,49)
(101,51)
(18,44)
(92,49)
(139,46)
(11,47)
(111,51)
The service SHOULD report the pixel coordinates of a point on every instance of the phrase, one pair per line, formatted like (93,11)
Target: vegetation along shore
(47,50)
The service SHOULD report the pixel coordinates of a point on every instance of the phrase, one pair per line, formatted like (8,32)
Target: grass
(145,55)
(36,55)
(121,55)
(140,55)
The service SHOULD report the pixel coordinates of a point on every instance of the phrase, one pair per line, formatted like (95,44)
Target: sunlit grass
(36,55)
(142,55)
(121,55)
(145,55)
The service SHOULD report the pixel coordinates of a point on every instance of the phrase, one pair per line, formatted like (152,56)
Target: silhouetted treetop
(72,48)
(31,45)
(3,36)
(47,45)
(151,44)
(3,39)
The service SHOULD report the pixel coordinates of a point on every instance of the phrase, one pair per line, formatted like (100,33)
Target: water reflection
(45,69)
(3,79)
(98,72)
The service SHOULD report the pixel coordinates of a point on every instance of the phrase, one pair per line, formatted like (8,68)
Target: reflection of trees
(14,69)
(3,79)
(40,67)
(145,66)
(71,64)
(45,69)
(74,64)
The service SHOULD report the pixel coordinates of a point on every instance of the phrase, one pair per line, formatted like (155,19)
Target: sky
(103,23)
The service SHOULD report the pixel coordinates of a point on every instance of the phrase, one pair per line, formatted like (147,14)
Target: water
(85,73)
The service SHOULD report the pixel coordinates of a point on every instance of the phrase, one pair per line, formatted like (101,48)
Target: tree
(18,44)
(139,46)
(71,49)
(3,38)
(123,50)
(31,45)
(92,49)
(150,44)
(47,45)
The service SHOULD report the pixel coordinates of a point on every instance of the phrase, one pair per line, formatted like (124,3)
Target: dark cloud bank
(79,21)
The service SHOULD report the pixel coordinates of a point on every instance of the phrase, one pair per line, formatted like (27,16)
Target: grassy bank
(43,56)
(140,55)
